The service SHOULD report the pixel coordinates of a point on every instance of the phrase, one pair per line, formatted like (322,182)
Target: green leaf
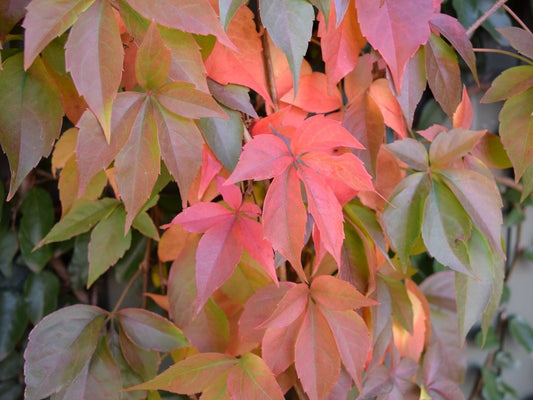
(522,332)
(40,294)
(403,217)
(152,64)
(227,9)
(509,83)
(37,219)
(489,341)
(224,137)
(491,387)
(10,390)
(8,249)
(82,217)
(289,24)
(150,331)
(402,308)
(126,267)
(78,267)
(22,94)
(108,243)
(144,224)
(13,321)
(11,366)
(446,228)
(411,152)
(516,130)
(59,347)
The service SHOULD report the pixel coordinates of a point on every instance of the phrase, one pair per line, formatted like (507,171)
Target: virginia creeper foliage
(303,192)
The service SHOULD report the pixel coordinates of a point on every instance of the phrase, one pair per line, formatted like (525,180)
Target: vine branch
(486,15)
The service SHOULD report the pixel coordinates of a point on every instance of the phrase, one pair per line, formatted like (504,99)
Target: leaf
(80,219)
(289,24)
(144,224)
(45,20)
(449,146)
(522,333)
(446,228)
(464,114)
(452,30)
(277,346)
(250,378)
(519,39)
(150,331)
(341,44)
(40,295)
(414,83)
(381,93)
(313,94)
(186,15)
(317,359)
(108,244)
(396,29)
(235,97)
(22,94)
(14,321)
(411,152)
(509,83)
(227,9)
(59,347)
(224,137)
(152,64)
(181,142)
(97,78)
(37,218)
(138,163)
(443,74)
(290,307)
(8,249)
(11,12)
(516,130)
(243,65)
(352,339)
(403,218)
(401,304)
(192,375)
(143,362)
(338,295)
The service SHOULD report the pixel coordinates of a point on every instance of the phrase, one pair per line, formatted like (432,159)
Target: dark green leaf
(130,262)
(37,219)
(13,321)
(82,217)
(150,331)
(224,137)
(40,294)
(108,243)
(59,347)
(10,390)
(79,263)
(11,366)
(522,332)
(8,249)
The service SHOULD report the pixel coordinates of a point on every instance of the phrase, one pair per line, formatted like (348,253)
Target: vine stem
(507,53)
(516,18)
(484,17)
(126,290)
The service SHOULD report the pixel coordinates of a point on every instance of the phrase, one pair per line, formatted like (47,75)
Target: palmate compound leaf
(452,145)
(396,28)
(509,83)
(59,347)
(227,233)
(94,59)
(308,157)
(30,116)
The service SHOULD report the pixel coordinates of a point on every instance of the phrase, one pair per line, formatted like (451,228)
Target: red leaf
(251,378)
(210,168)
(202,216)
(231,194)
(317,359)
(336,294)
(245,65)
(195,16)
(313,94)
(396,28)
(94,55)
(381,93)
(277,347)
(463,115)
(353,340)
(341,44)
(258,247)
(152,64)
(291,306)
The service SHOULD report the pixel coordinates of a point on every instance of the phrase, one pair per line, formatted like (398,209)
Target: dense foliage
(261,170)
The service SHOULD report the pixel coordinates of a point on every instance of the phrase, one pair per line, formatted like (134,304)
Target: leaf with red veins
(396,28)
(326,211)
(284,218)
(195,16)
(339,295)
(317,358)
(341,44)
(245,66)
(182,98)
(290,307)
(264,157)
(138,163)
(313,94)
(94,56)
(353,341)
(277,347)
(200,217)
(259,248)
(218,253)
(323,134)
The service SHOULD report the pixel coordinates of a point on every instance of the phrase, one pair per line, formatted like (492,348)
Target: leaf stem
(61,271)
(508,182)
(516,18)
(486,15)
(508,53)
(125,291)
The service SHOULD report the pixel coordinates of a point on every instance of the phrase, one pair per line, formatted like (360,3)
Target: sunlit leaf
(509,83)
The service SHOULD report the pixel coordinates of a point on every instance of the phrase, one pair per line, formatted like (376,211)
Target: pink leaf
(336,294)
(230,193)
(200,217)
(278,345)
(258,247)
(313,94)
(291,306)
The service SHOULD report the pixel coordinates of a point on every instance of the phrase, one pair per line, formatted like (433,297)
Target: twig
(269,67)
(508,182)
(125,291)
(484,17)
(300,391)
(61,271)
(516,18)
(507,53)
(145,269)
